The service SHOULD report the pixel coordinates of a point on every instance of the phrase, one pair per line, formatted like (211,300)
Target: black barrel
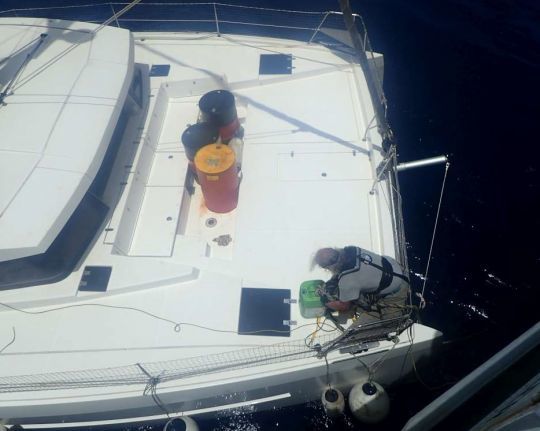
(217,107)
(197,136)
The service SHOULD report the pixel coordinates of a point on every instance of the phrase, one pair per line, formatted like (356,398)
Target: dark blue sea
(462,78)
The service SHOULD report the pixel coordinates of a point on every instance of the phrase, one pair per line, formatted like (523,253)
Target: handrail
(153,4)
(188,367)
(305,25)
(214,5)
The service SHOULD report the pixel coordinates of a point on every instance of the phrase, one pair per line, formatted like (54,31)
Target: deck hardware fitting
(210,222)
(360,347)
(223,240)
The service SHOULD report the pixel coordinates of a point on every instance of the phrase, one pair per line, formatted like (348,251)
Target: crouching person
(360,278)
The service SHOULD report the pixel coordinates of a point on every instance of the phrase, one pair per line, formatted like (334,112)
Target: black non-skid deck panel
(275,64)
(264,311)
(160,70)
(95,278)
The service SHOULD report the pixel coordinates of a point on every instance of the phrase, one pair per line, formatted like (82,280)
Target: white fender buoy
(183,423)
(333,401)
(369,402)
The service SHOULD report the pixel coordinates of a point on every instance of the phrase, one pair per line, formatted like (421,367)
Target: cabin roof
(48,157)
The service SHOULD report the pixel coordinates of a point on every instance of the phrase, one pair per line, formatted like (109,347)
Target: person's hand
(338,305)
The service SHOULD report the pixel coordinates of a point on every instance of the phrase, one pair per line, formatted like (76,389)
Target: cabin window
(136,88)
(63,254)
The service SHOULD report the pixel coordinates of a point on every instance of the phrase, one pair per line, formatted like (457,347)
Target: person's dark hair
(329,258)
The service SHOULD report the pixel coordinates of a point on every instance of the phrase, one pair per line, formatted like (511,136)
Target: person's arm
(339,305)
(331,288)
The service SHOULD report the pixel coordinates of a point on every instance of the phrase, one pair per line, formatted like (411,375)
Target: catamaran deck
(308,166)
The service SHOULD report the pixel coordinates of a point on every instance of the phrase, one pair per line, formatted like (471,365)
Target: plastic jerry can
(311,305)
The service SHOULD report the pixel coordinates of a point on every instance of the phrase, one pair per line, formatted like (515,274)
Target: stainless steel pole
(421,163)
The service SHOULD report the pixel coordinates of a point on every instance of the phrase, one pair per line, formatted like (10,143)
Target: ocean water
(461,79)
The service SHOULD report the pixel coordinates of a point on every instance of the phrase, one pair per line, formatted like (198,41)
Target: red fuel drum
(216,170)
(197,136)
(218,108)
(227,132)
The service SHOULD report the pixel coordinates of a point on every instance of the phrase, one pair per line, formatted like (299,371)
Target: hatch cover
(275,64)
(160,70)
(265,311)
(95,278)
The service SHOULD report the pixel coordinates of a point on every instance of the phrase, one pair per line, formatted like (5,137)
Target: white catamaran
(140,280)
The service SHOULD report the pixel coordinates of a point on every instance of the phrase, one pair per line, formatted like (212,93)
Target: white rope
(73,46)
(13,81)
(117,15)
(421,295)
(378,362)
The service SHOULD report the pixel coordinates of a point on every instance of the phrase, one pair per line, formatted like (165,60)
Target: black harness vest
(376,283)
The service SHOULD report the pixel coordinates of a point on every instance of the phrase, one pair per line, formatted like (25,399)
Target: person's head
(328,258)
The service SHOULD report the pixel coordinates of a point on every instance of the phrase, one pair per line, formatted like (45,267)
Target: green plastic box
(310,302)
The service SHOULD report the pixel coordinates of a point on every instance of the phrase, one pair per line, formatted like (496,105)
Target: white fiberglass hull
(296,386)
(71,351)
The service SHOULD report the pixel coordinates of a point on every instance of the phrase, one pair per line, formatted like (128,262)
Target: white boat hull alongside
(294,383)
(153,318)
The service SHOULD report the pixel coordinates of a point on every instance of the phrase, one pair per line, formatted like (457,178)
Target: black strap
(387,275)
(387,272)
(356,267)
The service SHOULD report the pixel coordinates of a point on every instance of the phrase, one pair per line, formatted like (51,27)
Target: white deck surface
(56,123)
(307,172)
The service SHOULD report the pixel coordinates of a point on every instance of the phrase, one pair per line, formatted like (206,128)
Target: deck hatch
(160,70)
(275,64)
(264,310)
(95,278)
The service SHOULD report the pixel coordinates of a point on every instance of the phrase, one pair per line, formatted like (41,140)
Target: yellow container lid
(214,158)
